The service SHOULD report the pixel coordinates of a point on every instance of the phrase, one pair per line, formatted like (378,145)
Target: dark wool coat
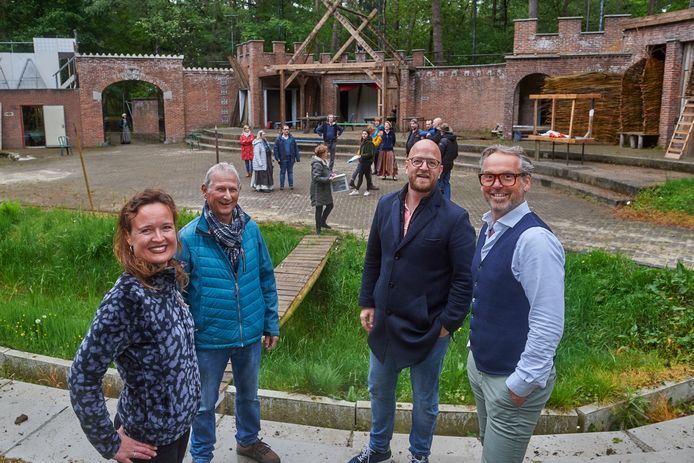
(321,193)
(420,282)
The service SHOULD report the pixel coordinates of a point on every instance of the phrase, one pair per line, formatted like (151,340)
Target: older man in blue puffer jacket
(233,299)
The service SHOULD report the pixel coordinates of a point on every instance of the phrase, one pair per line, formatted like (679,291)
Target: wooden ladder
(683,131)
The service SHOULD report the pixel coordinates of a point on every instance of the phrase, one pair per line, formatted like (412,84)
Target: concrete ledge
(454,420)
(596,417)
(297,408)
(50,371)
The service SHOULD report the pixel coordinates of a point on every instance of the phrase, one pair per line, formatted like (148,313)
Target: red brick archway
(96,72)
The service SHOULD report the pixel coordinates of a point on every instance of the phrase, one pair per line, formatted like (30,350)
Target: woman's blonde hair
(140,268)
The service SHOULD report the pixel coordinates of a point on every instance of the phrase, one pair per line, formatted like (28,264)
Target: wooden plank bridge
(295,276)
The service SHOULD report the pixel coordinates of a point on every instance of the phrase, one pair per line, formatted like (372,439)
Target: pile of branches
(631,104)
(651,93)
(605,124)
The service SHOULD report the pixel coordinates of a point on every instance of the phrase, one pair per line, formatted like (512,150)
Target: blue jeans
(383,378)
(245,362)
(445,184)
(249,165)
(331,149)
(287,167)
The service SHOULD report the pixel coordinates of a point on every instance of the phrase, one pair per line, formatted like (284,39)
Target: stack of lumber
(651,93)
(631,103)
(605,124)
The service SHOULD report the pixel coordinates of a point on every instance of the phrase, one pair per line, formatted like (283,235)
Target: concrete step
(603,195)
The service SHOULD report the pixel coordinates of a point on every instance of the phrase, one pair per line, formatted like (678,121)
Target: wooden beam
(318,67)
(374,78)
(347,25)
(332,8)
(384,92)
(282,102)
(293,76)
(565,96)
(354,12)
(349,41)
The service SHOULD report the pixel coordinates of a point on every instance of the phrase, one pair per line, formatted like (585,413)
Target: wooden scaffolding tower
(377,68)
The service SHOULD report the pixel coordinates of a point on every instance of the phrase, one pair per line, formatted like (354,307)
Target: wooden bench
(352,125)
(635,138)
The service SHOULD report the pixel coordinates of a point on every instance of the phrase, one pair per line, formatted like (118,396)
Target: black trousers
(365,171)
(171,453)
(322,213)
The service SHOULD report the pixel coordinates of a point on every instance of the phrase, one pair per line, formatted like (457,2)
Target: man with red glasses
(415,291)
(514,333)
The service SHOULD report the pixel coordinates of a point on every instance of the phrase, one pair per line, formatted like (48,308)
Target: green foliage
(673,195)
(204,30)
(631,413)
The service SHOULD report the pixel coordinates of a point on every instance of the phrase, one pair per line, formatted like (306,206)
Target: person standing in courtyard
(449,152)
(143,326)
(330,131)
(367,152)
(246,141)
(262,180)
(517,315)
(286,154)
(387,166)
(415,292)
(233,298)
(321,189)
(124,130)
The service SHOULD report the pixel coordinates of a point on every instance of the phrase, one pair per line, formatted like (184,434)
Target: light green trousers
(505,429)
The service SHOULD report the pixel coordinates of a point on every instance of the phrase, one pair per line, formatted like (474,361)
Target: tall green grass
(673,195)
(627,326)
(55,268)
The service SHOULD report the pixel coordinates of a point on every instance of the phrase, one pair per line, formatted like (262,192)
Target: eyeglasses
(418,162)
(506,178)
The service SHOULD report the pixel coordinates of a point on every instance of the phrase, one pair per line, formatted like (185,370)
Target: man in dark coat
(415,291)
(286,152)
(330,130)
(449,151)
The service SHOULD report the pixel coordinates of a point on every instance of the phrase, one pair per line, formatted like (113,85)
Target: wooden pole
(384,95)
(216,143)
(282,98)
(84,168)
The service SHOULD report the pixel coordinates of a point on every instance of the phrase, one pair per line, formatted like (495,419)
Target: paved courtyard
(117,172)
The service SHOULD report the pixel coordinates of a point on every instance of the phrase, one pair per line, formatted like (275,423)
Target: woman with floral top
(143,326)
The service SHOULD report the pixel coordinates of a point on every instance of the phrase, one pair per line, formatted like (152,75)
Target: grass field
(627,326)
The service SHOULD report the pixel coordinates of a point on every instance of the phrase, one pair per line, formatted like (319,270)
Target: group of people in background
(189,302)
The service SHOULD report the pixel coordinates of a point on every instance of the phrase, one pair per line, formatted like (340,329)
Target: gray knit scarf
(228,236)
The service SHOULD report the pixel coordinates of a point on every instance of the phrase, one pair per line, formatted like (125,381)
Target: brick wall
(96,72)
(466,97)
(209,98)
(13,100)
(146,118)
(569,39)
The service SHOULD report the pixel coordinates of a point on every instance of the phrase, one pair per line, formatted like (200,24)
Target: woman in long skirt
(262,164)
(124,130)
(387,167)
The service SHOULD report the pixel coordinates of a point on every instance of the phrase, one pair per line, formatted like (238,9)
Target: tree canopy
(205,31)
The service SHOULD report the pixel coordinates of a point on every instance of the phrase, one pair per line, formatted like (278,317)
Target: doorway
(43,125)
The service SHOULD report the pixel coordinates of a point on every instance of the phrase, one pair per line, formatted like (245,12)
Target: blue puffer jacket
(229,310)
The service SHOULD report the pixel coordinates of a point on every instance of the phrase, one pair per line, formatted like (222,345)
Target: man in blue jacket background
(330,130)
(286,152)
(233,299)
(415,291)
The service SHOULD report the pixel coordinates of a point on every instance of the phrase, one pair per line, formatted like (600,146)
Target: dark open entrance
(143,104)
